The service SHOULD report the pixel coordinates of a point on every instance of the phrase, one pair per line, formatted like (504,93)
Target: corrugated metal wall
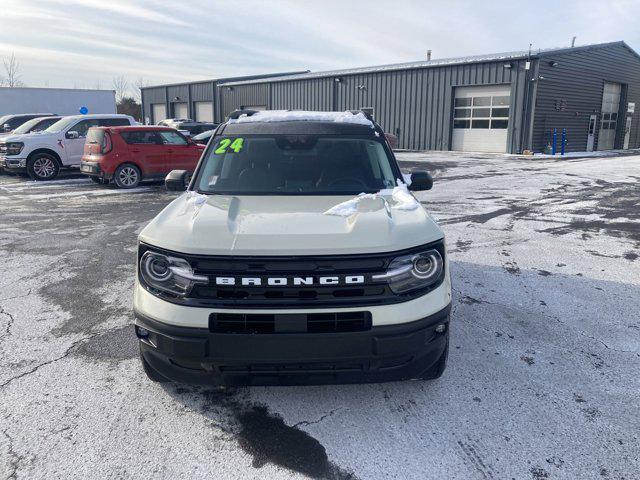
(572,91)
(202,92)
(417,104)
(232,98)
(155,95)
(188,93)
(414,104)
(312,94)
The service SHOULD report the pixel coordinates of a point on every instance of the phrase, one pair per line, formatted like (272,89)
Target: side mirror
(72,135)
(6,128)
(176,180)
(421,181)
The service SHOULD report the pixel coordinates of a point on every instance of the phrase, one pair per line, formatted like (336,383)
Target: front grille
(363,293)
(290,322)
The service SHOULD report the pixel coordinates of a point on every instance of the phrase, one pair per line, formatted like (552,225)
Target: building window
(481,101)
(500,101)
(462,124)
(463,102)
(481,112)
(480,124)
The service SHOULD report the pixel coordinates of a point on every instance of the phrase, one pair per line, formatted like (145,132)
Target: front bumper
(384,353)
(13,164)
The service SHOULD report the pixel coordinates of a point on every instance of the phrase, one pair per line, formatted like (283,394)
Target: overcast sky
(85,43)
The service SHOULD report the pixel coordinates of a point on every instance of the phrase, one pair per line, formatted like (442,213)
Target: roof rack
(238,113)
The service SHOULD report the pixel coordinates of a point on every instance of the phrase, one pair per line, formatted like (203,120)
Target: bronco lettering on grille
(287,281)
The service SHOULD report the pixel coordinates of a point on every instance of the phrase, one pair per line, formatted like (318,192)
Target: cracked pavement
(543,376)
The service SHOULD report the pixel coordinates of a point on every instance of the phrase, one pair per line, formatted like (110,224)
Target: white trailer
(61,101)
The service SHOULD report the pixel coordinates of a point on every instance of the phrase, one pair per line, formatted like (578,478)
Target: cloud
(70,42)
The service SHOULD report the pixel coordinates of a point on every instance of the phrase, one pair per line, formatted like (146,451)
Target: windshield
(61,124)
(295,165)
(4,119)
(28,127)
(203,135)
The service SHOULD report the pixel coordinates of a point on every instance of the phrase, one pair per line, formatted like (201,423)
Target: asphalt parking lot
(543,378)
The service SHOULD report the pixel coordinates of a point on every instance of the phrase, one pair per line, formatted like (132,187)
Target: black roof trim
(297,127)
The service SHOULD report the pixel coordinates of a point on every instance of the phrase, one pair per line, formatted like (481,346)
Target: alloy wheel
(128,176)
(44,167)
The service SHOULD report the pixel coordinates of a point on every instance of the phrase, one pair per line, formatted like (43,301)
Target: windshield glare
(299,164)
(61,124)
(26,127)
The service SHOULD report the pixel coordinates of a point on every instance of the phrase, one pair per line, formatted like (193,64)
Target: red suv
(128,155)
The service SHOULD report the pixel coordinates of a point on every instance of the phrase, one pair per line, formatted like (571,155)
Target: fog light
(142,332)
(441,328)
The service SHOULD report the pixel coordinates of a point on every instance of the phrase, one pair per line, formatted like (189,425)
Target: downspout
(142,114)
(525,107)
(532,114)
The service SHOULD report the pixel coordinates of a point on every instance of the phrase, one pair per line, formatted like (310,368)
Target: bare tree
(12,72)
(120,85)
(141,82)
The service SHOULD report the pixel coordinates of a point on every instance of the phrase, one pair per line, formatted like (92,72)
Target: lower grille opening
(278,369)
(259,323)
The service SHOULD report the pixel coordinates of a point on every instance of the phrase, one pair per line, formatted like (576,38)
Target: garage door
(159,111)
(481,119)
(204,112)
(180,110)
(609,120)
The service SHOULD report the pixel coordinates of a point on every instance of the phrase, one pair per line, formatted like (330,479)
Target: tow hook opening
(441,328)
(142,333)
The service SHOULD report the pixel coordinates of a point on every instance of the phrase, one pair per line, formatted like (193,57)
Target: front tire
(127,175)
(43,166)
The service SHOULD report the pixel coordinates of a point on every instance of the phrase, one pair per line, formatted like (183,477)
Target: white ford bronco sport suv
(297,255)
(43,154)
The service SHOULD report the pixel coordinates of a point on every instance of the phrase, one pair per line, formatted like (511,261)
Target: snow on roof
(304,116)
(492,57)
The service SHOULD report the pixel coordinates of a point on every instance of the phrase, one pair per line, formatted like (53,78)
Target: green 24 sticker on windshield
(227,144)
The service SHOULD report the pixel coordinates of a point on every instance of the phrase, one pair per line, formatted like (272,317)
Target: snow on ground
(542,380)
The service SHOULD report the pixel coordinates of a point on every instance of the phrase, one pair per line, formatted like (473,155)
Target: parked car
(274,269)
(34,125)
(61,145)
(8,123)
(204,137)
(188,125)
(169,122)
(195,128)
(128,155)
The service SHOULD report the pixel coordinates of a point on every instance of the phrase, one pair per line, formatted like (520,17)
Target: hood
(25,137)
(286,225)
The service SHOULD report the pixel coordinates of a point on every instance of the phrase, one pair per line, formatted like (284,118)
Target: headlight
(14,148)
(414,271)
(168,274)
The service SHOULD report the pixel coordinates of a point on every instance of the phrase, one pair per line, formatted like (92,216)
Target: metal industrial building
(197,100)
(507,102)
